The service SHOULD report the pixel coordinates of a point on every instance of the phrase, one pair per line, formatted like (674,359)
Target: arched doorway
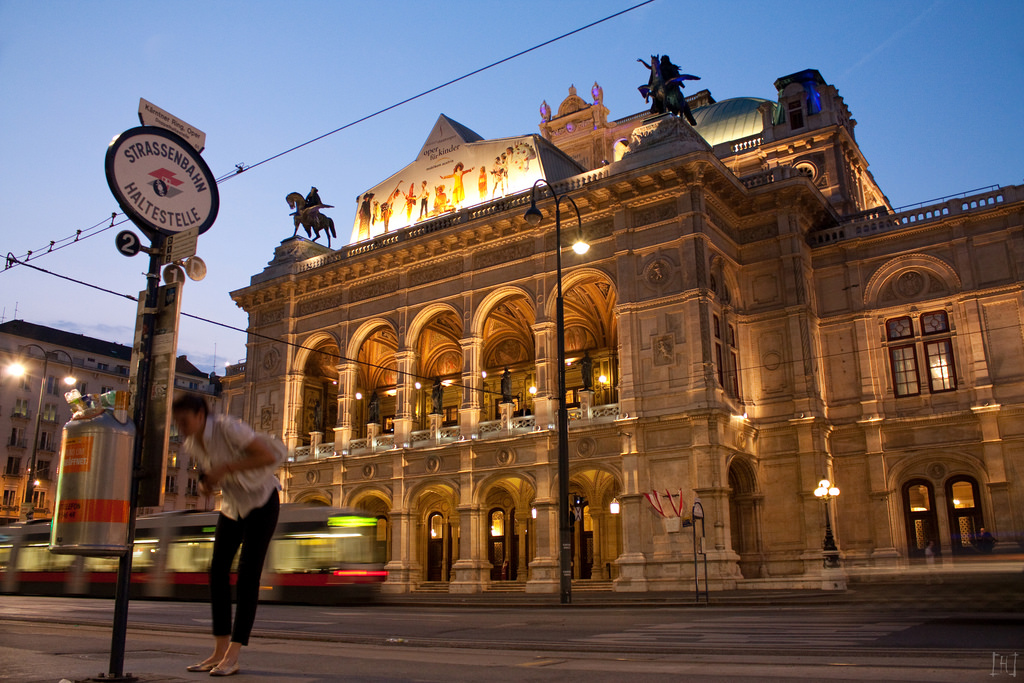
(920,516)
(503,545)
(743,522)
(964,512)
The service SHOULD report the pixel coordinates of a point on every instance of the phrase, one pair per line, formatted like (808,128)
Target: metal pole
(28,504)
(124,566)
(564,529)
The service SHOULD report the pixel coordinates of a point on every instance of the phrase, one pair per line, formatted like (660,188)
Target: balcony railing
(877,221)
(426,438)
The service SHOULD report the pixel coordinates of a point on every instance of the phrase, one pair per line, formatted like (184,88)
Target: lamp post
(18,369)
(533,216)
(825,492)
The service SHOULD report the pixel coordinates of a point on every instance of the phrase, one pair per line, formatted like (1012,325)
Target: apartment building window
(46,441)
(52,386)
(928,338)
(13,465)
(17,438)
(10,498)
(170,484)
(49,412)
(42,469)
(192,487)
(38,498)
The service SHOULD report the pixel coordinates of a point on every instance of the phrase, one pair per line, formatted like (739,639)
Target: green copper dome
(732,119)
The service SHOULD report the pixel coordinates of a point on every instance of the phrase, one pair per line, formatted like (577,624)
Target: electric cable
(56,245)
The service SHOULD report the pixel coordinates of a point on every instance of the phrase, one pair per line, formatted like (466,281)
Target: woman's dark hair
(190,403)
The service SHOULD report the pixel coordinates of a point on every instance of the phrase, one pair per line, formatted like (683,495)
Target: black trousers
(253,533)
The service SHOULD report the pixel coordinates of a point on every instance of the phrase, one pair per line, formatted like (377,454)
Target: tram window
(5,557)
(963,494)
(38,558)
(314,554)
(102,564)
(190,556)
(144,555)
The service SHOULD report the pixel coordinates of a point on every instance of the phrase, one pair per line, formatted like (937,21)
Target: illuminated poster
(455,169)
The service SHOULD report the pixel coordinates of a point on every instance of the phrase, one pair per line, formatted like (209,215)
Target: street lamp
(19,369)
(825,492)
(533,216)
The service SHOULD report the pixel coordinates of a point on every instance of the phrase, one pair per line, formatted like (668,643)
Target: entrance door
(435,547)
(919,507)
(497,548)
(582,540)
(965,520)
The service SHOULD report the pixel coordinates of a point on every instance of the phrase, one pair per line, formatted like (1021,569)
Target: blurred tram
(319,555)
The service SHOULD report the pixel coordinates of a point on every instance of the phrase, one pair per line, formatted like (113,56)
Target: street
(875,641)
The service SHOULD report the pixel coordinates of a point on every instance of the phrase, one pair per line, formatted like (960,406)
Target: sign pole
(124,566)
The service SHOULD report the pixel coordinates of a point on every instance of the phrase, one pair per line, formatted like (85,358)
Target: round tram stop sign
(161,182)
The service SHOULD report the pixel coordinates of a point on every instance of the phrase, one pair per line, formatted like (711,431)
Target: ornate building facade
(752,317)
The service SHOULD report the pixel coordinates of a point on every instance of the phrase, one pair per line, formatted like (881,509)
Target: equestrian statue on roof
(665,88)
(307,214)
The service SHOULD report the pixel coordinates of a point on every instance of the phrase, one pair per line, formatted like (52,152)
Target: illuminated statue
(665,88)
(309,217)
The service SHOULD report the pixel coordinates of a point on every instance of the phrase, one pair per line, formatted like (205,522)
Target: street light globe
(581,247)
(16,370)
(824,484)
(70,380)
(833,491)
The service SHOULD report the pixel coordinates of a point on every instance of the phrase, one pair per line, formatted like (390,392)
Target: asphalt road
(868,641)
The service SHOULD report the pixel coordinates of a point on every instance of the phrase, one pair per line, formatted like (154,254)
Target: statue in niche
(373,416)
(665,88)
(437,397)
(587,369)
(307,214)
(506,386)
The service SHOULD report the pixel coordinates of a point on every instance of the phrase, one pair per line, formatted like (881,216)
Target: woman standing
(233,458)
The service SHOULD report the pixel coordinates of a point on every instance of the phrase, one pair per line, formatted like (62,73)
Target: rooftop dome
(731,119)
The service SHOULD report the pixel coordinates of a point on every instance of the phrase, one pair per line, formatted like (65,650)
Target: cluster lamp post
(824,493)
(533,216)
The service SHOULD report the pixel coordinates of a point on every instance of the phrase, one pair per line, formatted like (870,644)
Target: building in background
(98,367)
(752,317)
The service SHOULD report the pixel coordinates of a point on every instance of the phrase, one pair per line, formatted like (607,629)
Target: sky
(936,88)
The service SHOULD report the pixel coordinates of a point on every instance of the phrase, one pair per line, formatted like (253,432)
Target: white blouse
(225,439)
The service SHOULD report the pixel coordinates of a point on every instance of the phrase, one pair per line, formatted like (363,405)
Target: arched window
(965,519)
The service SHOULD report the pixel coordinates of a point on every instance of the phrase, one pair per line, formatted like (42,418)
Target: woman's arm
(257,455)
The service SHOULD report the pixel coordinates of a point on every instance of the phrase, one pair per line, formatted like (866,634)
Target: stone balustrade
(426,438)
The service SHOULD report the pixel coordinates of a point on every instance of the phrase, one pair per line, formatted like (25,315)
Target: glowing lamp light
(533,512)
(581,247)
(483,373)
(359,396)
(532,390)
(418,385)
(603,379)
(826,490)
(614,506)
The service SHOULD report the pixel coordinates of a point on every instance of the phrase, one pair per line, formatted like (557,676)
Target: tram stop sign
(161,182)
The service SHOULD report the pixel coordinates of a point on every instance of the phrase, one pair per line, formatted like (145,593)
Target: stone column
(522,529)
(472,383)
(403,569)
(343,432)
(468,574)
(544,576)
(545,402)
(632,563)
(586,405)
(405,398)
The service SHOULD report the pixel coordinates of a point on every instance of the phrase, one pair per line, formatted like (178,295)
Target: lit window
(940,365)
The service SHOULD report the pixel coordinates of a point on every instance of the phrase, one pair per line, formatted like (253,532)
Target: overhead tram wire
(241,168)
(819,359)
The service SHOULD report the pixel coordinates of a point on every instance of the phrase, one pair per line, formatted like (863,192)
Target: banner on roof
(456,169)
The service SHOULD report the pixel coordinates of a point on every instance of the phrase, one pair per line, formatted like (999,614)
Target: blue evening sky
(935,87)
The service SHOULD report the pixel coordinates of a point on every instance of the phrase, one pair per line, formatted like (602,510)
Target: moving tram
(319,555)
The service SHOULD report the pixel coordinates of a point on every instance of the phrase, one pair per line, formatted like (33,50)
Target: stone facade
(754,314)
